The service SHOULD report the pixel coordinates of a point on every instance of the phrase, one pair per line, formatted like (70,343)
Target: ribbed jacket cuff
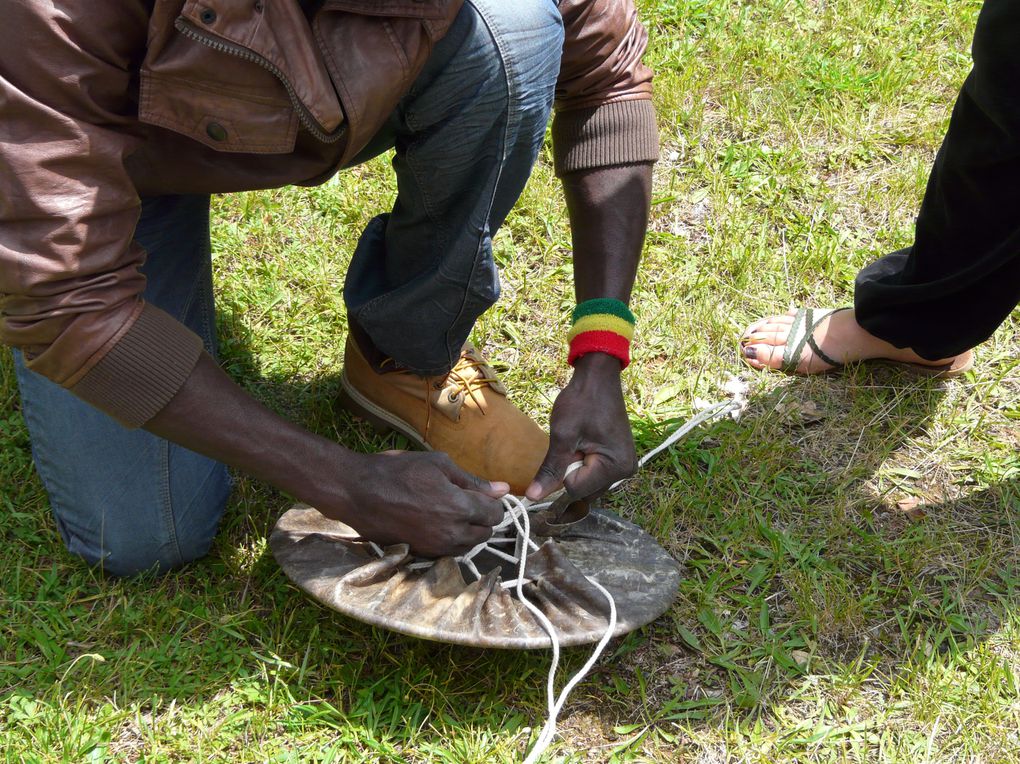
(144,370)
(616,133)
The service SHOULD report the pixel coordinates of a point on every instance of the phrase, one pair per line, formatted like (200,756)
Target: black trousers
(961,278)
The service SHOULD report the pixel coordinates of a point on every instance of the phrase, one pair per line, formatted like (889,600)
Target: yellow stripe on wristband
(602,322)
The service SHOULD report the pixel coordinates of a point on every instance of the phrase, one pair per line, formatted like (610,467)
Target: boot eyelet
(453,397)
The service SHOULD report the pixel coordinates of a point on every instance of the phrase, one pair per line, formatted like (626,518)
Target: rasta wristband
(602,325)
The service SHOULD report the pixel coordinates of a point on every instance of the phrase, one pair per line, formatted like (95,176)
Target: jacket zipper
(304,115)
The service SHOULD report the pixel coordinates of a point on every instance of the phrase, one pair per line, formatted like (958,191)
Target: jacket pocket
(218,116)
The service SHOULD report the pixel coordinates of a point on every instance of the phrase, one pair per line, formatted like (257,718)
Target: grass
(850,547)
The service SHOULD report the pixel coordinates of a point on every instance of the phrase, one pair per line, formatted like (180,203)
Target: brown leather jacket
(104,101)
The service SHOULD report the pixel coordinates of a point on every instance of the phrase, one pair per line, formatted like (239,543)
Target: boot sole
(381,420)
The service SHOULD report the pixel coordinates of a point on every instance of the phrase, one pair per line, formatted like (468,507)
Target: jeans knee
(127,539)
(131,558)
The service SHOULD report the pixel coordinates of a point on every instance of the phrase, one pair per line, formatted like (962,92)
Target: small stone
(910,506)
(802,657)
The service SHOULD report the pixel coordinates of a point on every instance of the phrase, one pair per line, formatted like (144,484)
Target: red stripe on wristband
(600,342)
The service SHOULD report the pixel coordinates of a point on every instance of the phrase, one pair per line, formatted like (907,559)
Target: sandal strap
(802,333)
(794,346)
(821,353)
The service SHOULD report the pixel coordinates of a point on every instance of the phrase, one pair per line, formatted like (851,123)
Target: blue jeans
(466,137)
(125,499)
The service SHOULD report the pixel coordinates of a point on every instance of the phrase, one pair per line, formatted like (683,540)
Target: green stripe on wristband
(603,305)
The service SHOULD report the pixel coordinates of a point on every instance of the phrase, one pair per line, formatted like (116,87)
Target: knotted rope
(515,528)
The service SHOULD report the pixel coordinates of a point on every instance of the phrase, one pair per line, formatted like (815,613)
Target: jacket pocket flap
(223,121)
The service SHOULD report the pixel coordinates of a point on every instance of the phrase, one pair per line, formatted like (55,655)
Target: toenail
(750,352)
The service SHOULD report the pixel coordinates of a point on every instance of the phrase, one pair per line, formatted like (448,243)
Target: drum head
(444,602)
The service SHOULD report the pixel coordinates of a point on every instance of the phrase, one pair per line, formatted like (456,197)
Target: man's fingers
(467,481)
(481,511)
(466,522)
(591,478)
(477,535)
(481,505)
(496,489)
(550,474)
(595,476)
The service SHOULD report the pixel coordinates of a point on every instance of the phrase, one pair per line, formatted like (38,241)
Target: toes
(762,356)
(770,323)
(752,328)
(770,356)
(764,344)
(768,336)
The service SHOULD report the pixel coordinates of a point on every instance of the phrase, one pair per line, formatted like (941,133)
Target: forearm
(608,209)
(215,417)
(423,500)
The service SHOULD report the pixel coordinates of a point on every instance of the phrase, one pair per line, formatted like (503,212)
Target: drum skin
(327,560)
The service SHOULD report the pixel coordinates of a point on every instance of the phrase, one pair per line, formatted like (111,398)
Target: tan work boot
(464,413)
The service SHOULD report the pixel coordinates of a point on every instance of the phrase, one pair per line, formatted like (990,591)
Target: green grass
(817,620)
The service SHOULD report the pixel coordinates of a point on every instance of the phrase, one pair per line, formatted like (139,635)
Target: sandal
(802,330)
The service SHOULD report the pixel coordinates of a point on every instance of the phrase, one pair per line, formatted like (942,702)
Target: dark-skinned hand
(588,423)
(423,499)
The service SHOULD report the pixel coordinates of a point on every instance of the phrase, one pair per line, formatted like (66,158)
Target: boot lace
(470,375)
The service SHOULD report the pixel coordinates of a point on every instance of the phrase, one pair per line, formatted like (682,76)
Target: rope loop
(515,529)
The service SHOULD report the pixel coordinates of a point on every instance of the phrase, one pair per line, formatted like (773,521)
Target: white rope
(515,528)
(556,704)
(545,737)
(715,410)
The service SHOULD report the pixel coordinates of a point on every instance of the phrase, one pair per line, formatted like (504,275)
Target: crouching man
(119,119)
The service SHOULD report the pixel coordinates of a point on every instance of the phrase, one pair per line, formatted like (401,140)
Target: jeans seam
(412,165)
(206,294)
(508,80)
(166,497)
(199,289)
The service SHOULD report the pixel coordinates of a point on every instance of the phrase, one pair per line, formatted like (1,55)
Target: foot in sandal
(814,341)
